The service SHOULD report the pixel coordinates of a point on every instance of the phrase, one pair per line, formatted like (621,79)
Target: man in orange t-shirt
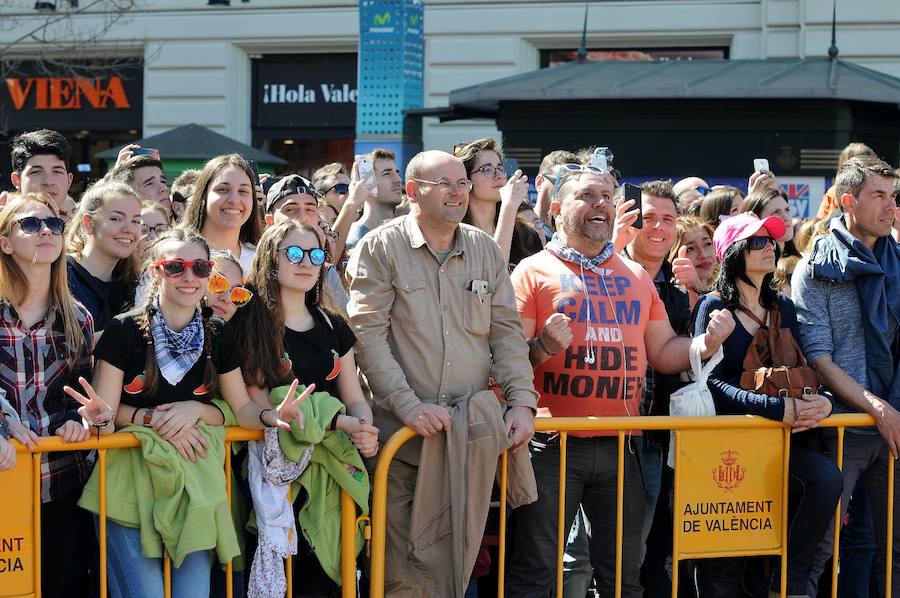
(593,320)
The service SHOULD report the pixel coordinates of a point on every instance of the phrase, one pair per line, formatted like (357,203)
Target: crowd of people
(333,311)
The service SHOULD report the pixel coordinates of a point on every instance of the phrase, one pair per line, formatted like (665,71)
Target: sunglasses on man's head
(340,189)
(757,243)
(176,268)
(563,170)
(238,295)
(703,191)
(295,255)
(32,224)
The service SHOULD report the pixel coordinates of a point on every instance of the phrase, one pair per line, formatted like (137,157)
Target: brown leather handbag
(774,364)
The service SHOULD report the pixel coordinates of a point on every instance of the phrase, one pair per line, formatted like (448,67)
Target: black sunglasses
(757,243)
(32,224)
(340,188)
(295,255)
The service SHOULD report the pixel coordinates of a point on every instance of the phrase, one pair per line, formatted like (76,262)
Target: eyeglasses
(177,268)
(703,191)
(757,243)
(490,170)
(295,255)
(238,295)
(340,189)
(157,230)
(32,224)
(448,187)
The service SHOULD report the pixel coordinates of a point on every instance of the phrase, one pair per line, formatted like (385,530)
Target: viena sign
(31,98)
(305,91)
(67,93)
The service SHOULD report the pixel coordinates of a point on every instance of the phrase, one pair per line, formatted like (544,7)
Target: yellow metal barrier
(621,426)
(120,440)
(377,527)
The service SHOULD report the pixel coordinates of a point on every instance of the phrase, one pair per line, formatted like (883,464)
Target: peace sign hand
(289,409)
(94,410)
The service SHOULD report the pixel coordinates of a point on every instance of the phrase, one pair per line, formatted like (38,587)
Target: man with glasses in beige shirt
(435,317)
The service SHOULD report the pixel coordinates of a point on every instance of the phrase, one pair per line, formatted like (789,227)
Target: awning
(195,142)
(771,78)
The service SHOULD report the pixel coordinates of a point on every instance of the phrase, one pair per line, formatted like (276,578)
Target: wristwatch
(148,416)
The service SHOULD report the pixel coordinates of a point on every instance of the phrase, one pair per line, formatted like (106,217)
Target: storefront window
(558,57)
(304,108)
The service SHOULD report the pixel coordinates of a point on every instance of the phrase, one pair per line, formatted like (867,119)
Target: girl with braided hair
(158,367)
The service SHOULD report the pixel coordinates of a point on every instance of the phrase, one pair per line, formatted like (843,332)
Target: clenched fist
(556,335)
(721,324)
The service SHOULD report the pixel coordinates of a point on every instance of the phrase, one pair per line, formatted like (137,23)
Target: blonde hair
(93,200)
(157,207)
(14,284)
(219,257)
(783,271)
(684,225)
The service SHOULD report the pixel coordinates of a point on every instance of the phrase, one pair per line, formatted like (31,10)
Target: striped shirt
(33,370)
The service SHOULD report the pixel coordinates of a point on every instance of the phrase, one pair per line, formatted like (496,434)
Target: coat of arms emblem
(729,474)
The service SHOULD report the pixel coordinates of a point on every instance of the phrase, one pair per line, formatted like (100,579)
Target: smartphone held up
(633,192)
(366,171)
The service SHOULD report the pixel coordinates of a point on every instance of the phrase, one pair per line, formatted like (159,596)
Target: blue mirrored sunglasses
(295,255)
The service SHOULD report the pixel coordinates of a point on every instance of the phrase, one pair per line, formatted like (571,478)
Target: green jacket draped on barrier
(174,502)
(335,465)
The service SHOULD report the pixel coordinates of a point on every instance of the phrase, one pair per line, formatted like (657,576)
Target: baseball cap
(293,184)
(743,226)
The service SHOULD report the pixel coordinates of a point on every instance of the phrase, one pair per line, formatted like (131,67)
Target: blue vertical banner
(391,66)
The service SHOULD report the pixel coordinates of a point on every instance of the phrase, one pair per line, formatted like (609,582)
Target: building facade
(281,74)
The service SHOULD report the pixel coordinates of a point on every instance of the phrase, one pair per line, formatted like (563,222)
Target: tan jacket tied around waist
(453,492)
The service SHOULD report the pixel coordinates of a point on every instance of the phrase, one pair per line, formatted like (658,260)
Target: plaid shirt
(33,371)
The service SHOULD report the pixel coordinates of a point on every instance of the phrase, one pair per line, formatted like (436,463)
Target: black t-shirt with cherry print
(123,346)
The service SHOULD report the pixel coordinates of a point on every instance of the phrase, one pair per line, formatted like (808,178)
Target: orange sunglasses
(239,295)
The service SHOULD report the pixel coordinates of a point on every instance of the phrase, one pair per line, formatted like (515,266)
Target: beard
(596,235)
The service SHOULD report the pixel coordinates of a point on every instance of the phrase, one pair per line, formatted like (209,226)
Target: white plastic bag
(695,398)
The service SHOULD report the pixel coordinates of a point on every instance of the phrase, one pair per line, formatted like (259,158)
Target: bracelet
(261,420)
(102,425)
(543,347)
(333,424)
(135,412)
